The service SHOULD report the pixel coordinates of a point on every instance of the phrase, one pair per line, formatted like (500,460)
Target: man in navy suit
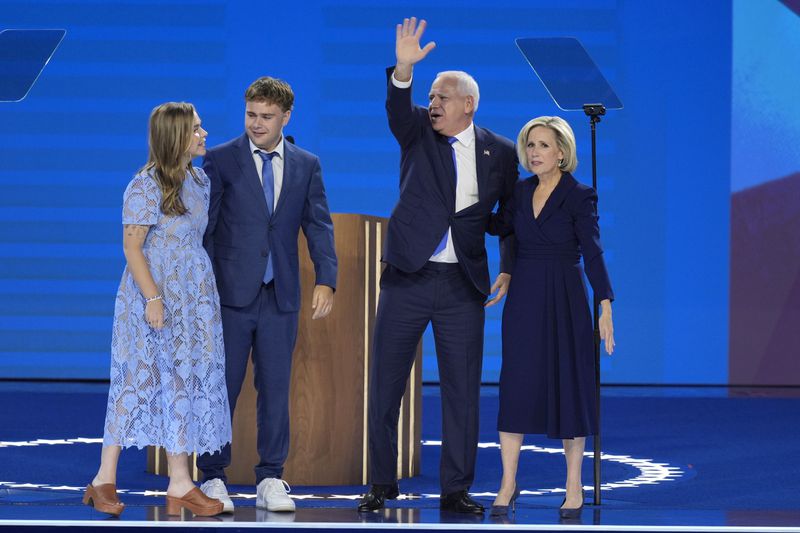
(263,191)
(452,174)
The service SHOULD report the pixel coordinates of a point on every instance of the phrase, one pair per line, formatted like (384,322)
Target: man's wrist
(402,75)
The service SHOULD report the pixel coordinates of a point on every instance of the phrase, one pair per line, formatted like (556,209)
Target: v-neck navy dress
(547,379)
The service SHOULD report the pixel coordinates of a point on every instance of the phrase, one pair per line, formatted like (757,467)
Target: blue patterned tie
(268,184)
(443,244)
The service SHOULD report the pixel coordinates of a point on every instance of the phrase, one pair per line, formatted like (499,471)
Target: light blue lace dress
(168,386)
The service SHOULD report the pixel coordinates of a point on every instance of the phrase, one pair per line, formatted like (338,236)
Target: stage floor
(675,459)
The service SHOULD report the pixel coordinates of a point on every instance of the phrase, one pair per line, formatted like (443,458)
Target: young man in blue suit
(452,174)
(263,191)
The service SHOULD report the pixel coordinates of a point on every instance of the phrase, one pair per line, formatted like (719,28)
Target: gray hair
(466,84)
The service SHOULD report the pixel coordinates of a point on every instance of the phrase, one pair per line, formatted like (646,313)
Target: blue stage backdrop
(68,150)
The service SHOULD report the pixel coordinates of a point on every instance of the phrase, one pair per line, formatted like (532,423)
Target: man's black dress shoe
(376,498)
(460,502)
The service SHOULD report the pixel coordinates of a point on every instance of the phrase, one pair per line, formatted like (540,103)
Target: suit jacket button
(264,253)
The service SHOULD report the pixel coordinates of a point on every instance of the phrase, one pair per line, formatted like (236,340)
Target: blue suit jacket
(240,235)
(427,191)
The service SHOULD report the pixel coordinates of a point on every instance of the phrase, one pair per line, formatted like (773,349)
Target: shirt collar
(278,149)
(467,137)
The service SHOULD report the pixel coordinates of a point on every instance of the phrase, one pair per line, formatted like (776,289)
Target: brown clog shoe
(197,502)
(103,498)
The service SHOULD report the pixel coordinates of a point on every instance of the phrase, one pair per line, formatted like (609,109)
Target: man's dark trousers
(441,294)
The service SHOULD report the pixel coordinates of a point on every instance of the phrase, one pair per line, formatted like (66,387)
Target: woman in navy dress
(547,379)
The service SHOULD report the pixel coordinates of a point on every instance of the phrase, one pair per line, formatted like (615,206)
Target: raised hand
(407,46)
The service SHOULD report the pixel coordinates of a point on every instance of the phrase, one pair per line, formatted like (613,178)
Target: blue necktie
(268,184)
(451,140)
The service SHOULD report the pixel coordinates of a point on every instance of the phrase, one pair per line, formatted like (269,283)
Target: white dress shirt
(277,167)
(466,186)
(467,178)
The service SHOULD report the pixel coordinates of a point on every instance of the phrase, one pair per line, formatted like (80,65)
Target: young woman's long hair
(170,134)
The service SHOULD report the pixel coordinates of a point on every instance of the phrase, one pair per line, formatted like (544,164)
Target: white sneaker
(272,495)
(215,488)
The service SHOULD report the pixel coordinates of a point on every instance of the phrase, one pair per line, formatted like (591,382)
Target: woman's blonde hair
(565,139)
(169,136)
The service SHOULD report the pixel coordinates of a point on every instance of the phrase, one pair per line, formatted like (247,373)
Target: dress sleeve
(587,230)
(141,204)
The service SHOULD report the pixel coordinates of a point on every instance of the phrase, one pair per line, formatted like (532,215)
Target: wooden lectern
(330,377)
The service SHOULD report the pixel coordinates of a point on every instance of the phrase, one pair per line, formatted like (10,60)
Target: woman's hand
(154,313)
(500,286)
(607,326)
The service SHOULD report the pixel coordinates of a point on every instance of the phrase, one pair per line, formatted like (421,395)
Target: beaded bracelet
(153,299)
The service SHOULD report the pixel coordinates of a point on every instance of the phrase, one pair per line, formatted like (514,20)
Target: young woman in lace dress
(168,360)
